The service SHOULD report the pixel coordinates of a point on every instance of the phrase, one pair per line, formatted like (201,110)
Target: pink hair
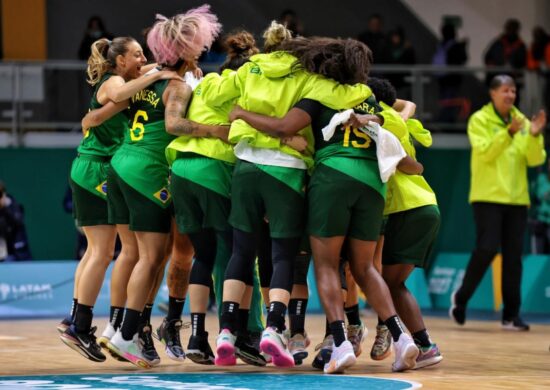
(183,36)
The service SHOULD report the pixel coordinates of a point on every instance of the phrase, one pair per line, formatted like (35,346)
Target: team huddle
(235,182)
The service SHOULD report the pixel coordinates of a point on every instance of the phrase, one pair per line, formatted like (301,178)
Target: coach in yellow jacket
(504,143)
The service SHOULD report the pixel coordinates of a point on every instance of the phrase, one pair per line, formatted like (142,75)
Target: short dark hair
(383,90)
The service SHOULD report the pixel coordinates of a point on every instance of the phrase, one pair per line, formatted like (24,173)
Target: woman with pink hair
(140,168)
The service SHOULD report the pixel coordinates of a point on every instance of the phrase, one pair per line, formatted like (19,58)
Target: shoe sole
(334,368)
(299,356)
(513,328)
(280,357)
(453,306)
(102,342)
(198,357)
(385,355)
(172,355)
(61,328)
(250,359)
(75,346)
(408,358)
(225,355)
(428,362)
(135,360)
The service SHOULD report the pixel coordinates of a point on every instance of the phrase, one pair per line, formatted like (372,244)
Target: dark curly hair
(383,90)
(347,61)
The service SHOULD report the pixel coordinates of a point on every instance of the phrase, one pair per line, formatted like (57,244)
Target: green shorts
(88,180)
(143,214)
(200,188)
(118,211)
(256,194)
(339,205)
(410,236)
(144,172)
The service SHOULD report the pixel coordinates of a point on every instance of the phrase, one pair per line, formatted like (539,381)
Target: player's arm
(95,118)
(176,100)
(410,166)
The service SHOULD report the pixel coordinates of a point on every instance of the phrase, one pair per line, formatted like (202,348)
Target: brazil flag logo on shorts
(102,188)
(163,195)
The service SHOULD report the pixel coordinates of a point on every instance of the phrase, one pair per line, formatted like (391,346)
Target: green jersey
(349,151)
(106,138)
(147,128)
(199,112)
(270,84)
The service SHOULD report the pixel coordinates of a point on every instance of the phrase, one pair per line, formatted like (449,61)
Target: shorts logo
(163,195)
(102,188)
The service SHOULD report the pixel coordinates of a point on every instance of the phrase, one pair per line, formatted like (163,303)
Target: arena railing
(42,103)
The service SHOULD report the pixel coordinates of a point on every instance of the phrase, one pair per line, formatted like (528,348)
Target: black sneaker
(64,324)
(148,346)
(457,312)
(169,334)
(245,350)
(83,343)
(199,351)
(515,324)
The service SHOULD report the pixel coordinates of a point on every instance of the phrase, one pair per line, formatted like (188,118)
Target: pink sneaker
(274,344)
(225,349)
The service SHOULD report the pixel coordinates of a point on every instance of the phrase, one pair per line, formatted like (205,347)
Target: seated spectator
(14,244)
(508,49)
(95,30)
(292,22)
(451,52)
(375,38)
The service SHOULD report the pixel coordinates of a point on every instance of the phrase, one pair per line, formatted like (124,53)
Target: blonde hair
(275,34)
(103,57)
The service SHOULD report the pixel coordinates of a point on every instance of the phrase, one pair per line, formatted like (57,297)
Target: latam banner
(45,289)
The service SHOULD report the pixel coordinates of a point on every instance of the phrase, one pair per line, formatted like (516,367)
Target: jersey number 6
(137,130)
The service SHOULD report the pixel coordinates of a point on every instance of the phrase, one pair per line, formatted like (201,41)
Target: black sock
(83,318)
(327,328)
(197,324)
(72,313)
(422,338)
(130,324)
(145,318)
(352,314)
(230,316)
(276,316)
(380,322)
(338,330)
(297,315)
(115,317)
(175,308)
(243,320)
(394,325)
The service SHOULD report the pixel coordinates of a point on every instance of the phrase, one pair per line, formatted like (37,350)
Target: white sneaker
(225,349)
(297,345)
(274,344)
(342,357)
(129,350)
(106,336)
(406,353)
